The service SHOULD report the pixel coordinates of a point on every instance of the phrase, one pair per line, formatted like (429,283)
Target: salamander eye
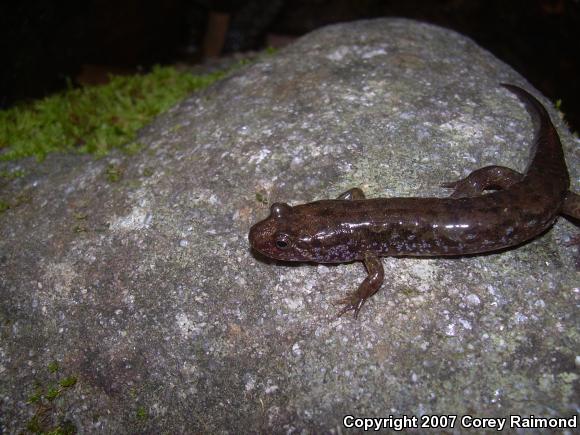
(280,209)
(282,241)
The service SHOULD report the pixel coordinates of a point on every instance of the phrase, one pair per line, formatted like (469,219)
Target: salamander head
(276,236)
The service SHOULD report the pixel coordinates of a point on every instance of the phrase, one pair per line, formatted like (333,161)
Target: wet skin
(470,221)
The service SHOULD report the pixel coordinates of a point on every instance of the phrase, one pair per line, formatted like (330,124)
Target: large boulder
(133,276)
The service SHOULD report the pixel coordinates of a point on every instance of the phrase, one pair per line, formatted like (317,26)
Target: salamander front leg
(371,284)
(352,194)
(490,177)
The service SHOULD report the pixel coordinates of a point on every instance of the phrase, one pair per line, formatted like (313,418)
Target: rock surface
(133,273)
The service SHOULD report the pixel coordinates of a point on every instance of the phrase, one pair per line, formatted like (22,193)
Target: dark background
(45,43)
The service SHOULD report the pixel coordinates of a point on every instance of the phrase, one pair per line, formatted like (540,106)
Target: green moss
(52,393)
(261,198)
(142,413)
(36,396)
(33,425)
(49,409)
(133,148)
(53,367)
(95,119)
(113,173)
(80,229)
(68,382)
(64,428)
(22,198)
(409,291)
(10,175)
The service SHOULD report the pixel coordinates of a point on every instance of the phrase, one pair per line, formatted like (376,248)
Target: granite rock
(134,273)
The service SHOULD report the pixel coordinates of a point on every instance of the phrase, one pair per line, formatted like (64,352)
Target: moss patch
(47,399)
(95,119)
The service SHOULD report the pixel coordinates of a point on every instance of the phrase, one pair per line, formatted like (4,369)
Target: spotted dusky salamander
(469,221)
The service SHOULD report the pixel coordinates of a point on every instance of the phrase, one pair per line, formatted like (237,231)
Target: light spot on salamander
(451,226)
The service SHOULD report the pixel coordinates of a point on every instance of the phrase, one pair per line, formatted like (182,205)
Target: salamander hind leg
(571,205)
(371,284)
(490,177)
(571,209)
(352,194)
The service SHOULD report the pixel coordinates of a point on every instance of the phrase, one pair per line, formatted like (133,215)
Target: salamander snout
(261,235)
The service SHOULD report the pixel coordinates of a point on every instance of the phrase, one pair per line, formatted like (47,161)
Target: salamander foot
(371,284)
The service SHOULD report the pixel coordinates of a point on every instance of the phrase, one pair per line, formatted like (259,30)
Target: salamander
(493,208)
